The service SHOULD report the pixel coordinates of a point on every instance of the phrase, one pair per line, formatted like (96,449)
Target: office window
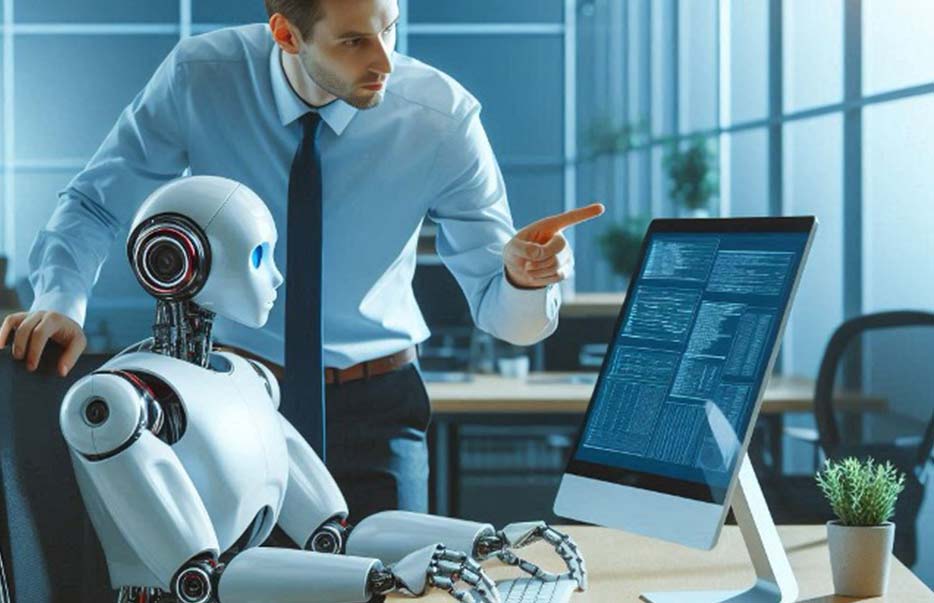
(898,50)
(898,213)
(64,12)
(660,202)
(748,173)
(227,12)
(813,53)
(698,66)
(517,80)
(486,11)
(638,60)
(60,110)
(813,179)
(663,25)
(534,193)
(749,52)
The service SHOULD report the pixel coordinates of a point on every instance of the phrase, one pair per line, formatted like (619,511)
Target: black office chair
(48,548)
(911,455)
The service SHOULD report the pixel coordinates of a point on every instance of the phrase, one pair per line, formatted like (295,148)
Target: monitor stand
(775,582)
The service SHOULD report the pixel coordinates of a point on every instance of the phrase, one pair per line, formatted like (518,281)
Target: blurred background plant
(692,175)
(604,137)
(621,243)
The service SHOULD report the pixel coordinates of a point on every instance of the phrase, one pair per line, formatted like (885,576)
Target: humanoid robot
(185,464)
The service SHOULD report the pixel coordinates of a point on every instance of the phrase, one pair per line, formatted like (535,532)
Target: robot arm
(314,511)
(281,575)
(391,534)
(137,477)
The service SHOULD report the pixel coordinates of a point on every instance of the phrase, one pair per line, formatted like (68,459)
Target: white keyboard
(526,590)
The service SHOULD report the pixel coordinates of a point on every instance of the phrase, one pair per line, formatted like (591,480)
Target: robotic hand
(391,535)
(438,567)
(518,535)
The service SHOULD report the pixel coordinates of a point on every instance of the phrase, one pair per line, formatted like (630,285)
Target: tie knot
(310,121)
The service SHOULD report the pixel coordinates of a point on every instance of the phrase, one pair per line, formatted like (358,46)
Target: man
(318,106)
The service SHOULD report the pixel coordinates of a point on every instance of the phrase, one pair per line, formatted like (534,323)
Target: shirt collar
(290,105)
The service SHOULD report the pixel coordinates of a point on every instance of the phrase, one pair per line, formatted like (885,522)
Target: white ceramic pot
(860,558)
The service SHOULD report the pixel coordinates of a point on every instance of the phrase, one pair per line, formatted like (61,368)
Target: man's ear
(284,33)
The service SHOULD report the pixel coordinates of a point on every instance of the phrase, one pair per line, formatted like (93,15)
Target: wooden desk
(621,566)
(537,395)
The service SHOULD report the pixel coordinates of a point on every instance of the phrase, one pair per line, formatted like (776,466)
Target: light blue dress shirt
(220,104)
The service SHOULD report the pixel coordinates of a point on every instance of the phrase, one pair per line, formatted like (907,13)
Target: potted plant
(692,178)
(603,137)
(621,243)
(862,495)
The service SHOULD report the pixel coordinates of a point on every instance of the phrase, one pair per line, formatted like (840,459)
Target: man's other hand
(539,254)
(35,329)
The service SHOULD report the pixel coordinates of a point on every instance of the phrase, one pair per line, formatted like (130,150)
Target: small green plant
(621,243)
(603,137)
(861,493)
(692,178)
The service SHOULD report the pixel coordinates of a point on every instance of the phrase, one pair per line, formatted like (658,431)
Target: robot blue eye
(257,256)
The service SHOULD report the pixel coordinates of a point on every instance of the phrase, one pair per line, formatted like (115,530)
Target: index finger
(557,223)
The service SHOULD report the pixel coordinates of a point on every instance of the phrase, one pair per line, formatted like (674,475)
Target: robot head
(209,240)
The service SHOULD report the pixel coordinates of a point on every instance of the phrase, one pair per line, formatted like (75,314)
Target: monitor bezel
(665,484)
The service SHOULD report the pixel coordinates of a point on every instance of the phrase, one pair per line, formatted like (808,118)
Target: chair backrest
(911,460)
(49,549)
(823,392)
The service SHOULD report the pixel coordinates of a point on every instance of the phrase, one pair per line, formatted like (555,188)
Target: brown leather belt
(369,368)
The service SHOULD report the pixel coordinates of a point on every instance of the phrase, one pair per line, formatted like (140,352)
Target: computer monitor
(672,412)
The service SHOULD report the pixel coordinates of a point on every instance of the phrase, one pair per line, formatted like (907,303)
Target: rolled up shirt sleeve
(144,149)
(474,224)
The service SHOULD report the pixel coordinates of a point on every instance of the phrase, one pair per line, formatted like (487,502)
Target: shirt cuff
(71,305)
(548,298)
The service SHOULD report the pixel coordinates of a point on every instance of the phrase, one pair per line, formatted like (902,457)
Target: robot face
(243,279)
(211,240)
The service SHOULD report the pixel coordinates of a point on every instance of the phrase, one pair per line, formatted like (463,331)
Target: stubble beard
(333,84)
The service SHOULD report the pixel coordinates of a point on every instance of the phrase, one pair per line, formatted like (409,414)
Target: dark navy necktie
(303,400)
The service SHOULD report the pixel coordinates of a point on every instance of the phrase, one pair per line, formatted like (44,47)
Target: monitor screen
(694,340)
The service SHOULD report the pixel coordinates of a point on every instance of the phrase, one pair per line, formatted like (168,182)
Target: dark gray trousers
(376,446)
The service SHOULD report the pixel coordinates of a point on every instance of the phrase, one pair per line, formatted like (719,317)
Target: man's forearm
(66,256)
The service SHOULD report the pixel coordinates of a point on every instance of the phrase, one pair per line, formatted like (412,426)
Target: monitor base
(753,595)
(775,582)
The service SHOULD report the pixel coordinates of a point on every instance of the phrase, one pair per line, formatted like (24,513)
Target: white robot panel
(229,454)
(232,445)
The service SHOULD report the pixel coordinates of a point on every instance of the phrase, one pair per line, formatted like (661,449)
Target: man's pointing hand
(539,254)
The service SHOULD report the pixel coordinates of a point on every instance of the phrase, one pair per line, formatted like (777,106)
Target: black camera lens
(166,261)
(97,412)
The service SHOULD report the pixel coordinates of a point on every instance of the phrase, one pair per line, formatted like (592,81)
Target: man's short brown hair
(303,14)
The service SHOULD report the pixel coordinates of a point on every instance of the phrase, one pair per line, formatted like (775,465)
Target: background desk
(621,566)
(548,399)
(552,393)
